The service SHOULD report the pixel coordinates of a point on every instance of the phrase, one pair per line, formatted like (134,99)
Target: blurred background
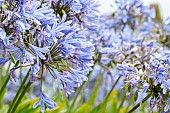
(107,6)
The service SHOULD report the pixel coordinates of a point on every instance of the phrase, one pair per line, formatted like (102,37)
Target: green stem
(20,74)
(111,90)
(1,68)
(80,89)
(21,96)
(6,81)
(93,95)
(107,97)
(19,91)
(83,91)
(77,94)
(130,102)
(4,85)
(41,79)
(137,105)
(121,104)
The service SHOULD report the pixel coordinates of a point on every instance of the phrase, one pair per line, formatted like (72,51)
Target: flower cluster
(152,77)
(131,12)
(48,36)
(129,39)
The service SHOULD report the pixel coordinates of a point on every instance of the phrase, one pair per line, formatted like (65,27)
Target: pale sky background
(164,5)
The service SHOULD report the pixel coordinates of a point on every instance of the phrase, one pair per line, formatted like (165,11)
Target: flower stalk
(137,105)
(108,95)
(14,102)
(20,97)
(6,81)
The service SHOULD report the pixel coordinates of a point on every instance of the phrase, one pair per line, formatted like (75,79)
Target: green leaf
(3,84)
(93,95)
(85,108)
(142,107)
(113,105)
(3,93)
(58,109)
(96,108)
(4,108)
(27,107)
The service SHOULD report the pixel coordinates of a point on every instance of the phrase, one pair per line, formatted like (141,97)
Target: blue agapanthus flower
(45,37)
(44,100)
(126,43)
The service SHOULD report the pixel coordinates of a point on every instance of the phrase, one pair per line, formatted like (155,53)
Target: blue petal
(2,34)
(166,108)
(4,60)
